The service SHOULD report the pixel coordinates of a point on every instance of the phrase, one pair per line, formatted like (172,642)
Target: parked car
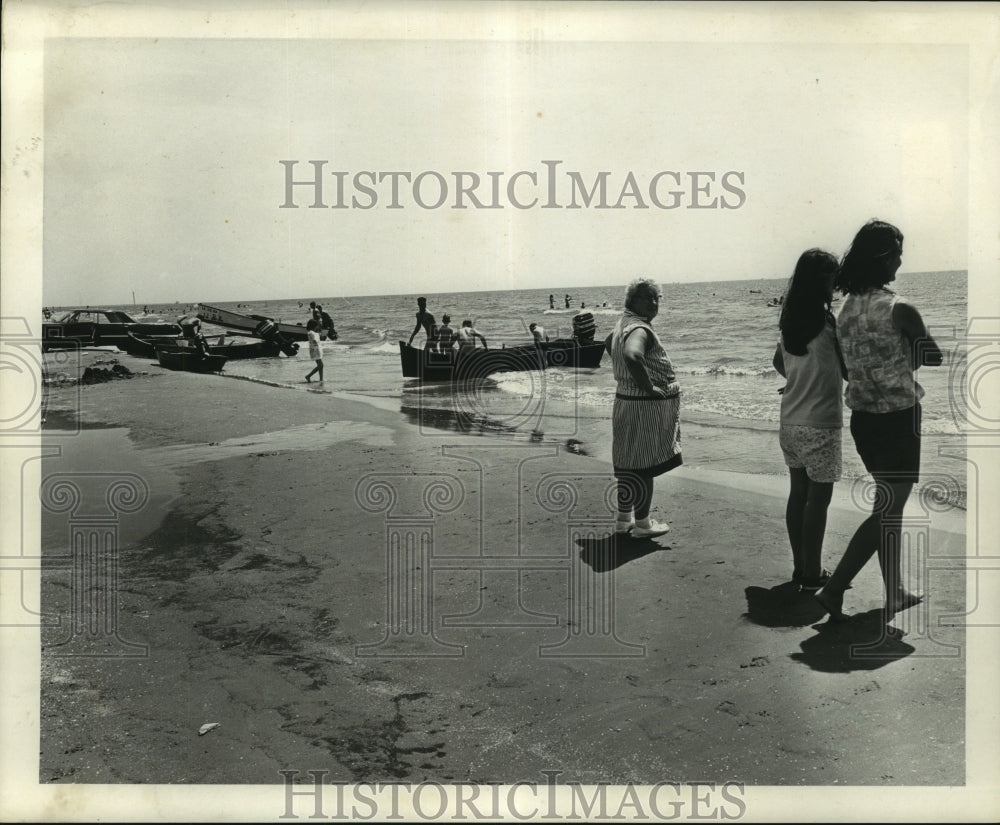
(98,328)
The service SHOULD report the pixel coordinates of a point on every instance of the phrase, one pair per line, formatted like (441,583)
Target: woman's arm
(635,359)
(778,362)
(924,351)
(840,356)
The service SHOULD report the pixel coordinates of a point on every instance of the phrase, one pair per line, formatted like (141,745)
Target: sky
(163,174)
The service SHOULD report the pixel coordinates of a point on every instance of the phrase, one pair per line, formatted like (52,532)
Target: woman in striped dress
(646,415)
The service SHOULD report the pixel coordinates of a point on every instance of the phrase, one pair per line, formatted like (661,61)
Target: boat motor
(584,327)
(268,330)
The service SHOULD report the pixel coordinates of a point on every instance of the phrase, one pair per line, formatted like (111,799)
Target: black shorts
(889,443)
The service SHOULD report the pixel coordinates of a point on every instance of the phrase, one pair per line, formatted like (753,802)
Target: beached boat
(232,350)
(567,352)
(247,349)
(142,346)
(89,327)
(456,365)
(189,360)
(259,326)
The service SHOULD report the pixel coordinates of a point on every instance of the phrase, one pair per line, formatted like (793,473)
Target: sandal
(811,585)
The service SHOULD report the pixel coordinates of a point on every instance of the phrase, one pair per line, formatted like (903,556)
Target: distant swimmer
(467,336)
(426,321)
(552,302)
(538,332)
(567,300)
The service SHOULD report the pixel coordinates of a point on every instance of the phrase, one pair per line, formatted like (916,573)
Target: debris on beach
(207,727)
(99,375)
(56,379)
(574,445)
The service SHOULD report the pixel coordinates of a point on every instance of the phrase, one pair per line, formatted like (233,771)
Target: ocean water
(719,335)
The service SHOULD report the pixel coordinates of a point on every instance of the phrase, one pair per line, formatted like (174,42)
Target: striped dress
(646,433)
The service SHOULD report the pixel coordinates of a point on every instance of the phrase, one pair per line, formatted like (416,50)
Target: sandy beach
(341,591)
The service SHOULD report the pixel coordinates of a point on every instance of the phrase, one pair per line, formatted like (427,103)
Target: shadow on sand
(863,641)
(781,606)
(610,552)
(454,421)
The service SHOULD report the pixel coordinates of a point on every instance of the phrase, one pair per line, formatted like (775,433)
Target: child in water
(446,335)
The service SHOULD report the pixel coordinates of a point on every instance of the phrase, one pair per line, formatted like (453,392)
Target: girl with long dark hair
(884,341)
(811,410)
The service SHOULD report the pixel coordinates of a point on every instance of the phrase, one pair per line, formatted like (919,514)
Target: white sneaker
(622,527)
(656,528)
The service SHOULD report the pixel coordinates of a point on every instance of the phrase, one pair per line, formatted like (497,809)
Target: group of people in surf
(444,338)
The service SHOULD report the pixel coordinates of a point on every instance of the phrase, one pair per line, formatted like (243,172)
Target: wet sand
(343,591)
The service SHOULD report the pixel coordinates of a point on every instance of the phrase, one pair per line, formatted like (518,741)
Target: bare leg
(635,492)
(897,597)
(645,499)
(630,492)
(814,528)
(794,515)
(626,495)
(860,549)
(879,532)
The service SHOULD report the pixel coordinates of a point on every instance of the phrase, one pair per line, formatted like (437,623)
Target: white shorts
(815,448)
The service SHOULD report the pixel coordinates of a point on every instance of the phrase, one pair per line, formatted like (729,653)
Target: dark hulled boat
(567,352)
(459,365)
(147,347)
(189,360)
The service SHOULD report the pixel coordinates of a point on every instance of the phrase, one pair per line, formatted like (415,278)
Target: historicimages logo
(542,188)
(523,801)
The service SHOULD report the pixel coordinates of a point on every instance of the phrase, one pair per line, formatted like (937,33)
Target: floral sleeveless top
(879,370)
